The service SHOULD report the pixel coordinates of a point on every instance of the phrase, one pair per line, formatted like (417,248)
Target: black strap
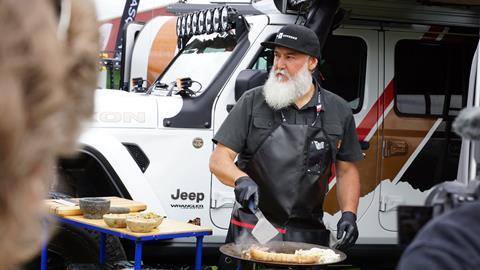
(318,107)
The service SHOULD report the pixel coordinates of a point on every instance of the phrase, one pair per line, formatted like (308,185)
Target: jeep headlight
(188,28)
(184,26)
(208,21)
(226,17)
(195,23)
(179,25)
(201,22)
(216,19)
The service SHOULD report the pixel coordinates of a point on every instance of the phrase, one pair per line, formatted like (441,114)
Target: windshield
(201,60)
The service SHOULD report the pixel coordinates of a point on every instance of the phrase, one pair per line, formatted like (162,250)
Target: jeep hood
(120,109)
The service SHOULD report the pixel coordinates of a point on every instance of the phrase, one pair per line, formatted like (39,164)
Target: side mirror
(248,79)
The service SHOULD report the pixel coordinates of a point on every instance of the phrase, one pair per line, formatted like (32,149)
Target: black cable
(201,86)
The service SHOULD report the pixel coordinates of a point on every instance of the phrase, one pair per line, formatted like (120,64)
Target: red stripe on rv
(433,32)
(375,112)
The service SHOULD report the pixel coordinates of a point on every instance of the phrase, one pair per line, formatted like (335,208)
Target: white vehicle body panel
(125,167)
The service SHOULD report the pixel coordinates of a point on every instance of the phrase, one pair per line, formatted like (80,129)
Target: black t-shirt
(451,241)
(252,120)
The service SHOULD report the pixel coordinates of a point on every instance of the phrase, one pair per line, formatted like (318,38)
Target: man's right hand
(246,193)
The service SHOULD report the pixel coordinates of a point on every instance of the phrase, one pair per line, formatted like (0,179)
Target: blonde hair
(47,87)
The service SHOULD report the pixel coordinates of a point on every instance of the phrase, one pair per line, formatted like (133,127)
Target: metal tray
(236,251)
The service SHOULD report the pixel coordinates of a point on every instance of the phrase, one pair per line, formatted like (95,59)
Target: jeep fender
(119,159)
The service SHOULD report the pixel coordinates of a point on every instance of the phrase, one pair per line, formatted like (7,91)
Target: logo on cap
(282,35)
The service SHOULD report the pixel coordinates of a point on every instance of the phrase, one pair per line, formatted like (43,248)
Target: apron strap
(318,110)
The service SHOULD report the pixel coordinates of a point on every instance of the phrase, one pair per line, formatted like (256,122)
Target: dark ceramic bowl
(94,208)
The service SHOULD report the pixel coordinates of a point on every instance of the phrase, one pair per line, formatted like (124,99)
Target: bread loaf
(261,255)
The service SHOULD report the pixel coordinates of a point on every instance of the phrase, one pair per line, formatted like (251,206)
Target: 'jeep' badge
(197,142)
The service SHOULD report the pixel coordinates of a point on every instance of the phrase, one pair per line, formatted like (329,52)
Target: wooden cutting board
(168,226)
(68,208)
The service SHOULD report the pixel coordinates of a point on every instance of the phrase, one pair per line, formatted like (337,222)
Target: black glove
(246,193)
(347,224)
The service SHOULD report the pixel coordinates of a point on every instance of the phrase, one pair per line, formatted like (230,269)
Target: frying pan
(235,251)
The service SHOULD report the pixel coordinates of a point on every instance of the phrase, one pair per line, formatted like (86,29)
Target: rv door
(427,70)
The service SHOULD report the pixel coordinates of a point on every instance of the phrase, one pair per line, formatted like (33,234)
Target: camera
(443,198)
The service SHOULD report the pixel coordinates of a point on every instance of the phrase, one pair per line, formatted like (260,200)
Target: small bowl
(94,208)
(143,225)
(115,220)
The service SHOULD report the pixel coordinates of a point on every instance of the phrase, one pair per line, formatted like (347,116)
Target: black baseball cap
(298,38)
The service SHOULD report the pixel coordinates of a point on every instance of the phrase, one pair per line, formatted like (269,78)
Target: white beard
(281,94)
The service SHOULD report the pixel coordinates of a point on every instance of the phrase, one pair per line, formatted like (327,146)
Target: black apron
(291,168)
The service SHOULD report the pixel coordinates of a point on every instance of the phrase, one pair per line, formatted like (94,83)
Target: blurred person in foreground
(47,78)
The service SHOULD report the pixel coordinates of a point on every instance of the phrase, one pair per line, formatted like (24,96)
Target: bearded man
(287,134)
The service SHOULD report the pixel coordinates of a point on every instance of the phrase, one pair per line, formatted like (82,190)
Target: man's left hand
(347,230)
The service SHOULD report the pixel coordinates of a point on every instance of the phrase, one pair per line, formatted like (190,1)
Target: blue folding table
(167,230)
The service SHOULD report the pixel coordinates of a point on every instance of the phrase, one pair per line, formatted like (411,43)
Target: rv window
(342,66)
(431,77)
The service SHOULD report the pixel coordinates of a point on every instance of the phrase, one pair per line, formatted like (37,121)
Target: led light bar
(206,22)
